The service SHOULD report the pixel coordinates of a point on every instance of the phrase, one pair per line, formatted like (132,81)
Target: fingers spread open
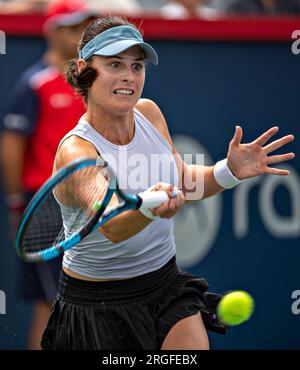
(237,138)
(262,139)
(280,158)
(277,171)
(278,143)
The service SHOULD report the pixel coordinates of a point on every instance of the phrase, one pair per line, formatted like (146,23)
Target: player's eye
(138,66)
(115,65)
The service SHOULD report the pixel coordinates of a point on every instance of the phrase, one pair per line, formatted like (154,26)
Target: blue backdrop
(246,238)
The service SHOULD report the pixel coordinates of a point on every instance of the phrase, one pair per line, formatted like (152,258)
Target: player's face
(120,80)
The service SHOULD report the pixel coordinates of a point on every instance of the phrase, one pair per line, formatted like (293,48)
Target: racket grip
(152,199)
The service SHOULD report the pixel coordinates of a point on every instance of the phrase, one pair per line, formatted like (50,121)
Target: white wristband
(147,213)
(224,176)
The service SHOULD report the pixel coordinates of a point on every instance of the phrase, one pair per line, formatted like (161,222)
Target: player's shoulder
(151,111)
(72,148)
(154,115)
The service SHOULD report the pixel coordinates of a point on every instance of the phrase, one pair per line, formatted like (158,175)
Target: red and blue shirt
(44,108)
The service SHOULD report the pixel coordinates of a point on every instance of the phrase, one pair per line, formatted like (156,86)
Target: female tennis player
(120,287)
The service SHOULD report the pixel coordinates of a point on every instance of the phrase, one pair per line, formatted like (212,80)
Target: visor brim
(120,46)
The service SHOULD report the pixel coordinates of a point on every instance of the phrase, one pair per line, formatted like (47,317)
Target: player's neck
(118,130)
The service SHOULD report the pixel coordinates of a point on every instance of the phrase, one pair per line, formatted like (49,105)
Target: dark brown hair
(81,82)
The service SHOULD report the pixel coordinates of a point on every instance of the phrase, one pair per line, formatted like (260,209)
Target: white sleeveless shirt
(145,161)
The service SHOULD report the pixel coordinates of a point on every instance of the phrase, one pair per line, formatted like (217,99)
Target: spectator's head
(65,22)
(190,4)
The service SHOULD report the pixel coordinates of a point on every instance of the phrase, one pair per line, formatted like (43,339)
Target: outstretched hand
(252,159)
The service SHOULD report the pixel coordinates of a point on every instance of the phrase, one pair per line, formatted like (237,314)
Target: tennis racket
(71,204)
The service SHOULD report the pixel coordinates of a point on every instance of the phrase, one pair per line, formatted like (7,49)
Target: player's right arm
(119,228)
(71,149)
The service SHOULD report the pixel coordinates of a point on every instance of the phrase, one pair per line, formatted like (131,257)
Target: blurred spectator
(184,9)
(122,7)
(22,6)
(126,7)
(152,4)
(253,7)
(43,109)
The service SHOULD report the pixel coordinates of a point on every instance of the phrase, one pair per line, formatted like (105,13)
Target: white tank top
(145,161)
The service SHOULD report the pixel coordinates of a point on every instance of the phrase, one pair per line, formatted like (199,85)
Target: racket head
(63,211)
(72,203)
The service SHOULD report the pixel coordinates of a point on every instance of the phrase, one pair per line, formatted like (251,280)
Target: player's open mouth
(123,92)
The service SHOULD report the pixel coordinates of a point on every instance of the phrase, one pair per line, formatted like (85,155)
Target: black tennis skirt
(130,314)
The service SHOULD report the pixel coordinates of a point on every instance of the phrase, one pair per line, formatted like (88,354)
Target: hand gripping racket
(73,203)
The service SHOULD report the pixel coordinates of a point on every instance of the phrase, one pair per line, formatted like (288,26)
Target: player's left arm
(188,174)
(243,160)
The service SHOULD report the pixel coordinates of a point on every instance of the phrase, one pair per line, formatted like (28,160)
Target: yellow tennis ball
(235,308)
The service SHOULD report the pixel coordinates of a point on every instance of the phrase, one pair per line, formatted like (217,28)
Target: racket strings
(66,209)
(77,206)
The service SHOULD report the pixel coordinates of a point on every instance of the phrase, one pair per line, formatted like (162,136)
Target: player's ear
(81,64)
